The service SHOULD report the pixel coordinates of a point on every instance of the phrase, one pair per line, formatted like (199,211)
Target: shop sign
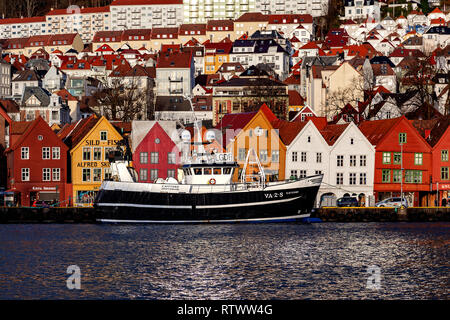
(43,188)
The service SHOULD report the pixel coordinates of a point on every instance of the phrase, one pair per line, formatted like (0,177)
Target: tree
(125,99)
(424,5)
(418,76)
(265,91)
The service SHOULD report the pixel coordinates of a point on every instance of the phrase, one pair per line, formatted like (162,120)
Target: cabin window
(217,171)
(226,170)
(197,171)
(206,171)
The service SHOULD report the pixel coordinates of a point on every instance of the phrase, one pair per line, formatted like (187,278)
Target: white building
(362,9)
(84,21)
(198,11)
(341,153)
(351,163)
(146,14)
(254,52)
(23,27)
(315,8)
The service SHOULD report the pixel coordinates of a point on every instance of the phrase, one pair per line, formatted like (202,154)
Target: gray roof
(41,94)
(27,75)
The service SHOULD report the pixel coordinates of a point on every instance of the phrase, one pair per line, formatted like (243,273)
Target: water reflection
(284,261)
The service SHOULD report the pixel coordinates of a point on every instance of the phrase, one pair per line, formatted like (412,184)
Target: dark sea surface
(237,261)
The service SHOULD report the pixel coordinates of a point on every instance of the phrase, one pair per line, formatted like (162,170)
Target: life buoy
(212,181)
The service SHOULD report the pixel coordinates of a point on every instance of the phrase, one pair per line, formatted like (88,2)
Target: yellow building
(91,141)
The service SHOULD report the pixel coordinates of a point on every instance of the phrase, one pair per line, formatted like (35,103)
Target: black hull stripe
(272,219)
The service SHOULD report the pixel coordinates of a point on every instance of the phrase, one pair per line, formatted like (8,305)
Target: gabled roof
(79,131)
(252,17)
(376,130)
(287,130)
(40,93)
(437,132)
(332,132)
(295,99)
(175,60)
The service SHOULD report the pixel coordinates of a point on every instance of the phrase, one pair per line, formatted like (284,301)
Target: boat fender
(212,181)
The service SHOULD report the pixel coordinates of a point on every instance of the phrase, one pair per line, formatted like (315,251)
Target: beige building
(250,22)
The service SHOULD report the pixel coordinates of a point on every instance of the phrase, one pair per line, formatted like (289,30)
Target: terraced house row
(372,161)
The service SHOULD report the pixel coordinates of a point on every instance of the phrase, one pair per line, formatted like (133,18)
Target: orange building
(253,130)
(216,54)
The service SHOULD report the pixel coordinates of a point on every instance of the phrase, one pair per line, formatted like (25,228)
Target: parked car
(393,202)
(347,202)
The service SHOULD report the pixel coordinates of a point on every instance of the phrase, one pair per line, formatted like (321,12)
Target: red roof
(287,130)
(105,48)
(220,25)
(375,130)
(58,12)
(145,2)
(295,99)
(267,112)
(289,18)
(192,29)
(79,131)
(252,17)
(175,60)
(332,132)
(65,95)
(23,20)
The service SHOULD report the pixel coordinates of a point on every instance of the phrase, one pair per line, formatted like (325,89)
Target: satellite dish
(210,135)
(185,135)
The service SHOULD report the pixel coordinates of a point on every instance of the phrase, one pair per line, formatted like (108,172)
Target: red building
(37,164)
(399,145)
(439,139)
(156,156)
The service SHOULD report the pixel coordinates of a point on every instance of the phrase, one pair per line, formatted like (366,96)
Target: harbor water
(237,261)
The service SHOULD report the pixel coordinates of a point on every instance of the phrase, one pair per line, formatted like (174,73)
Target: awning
(48,196)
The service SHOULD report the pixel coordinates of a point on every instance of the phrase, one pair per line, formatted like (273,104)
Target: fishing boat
(206,194)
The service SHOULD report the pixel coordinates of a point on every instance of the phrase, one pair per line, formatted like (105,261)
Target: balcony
(176,91)
(176,79)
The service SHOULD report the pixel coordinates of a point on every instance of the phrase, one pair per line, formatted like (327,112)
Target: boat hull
(276,205)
